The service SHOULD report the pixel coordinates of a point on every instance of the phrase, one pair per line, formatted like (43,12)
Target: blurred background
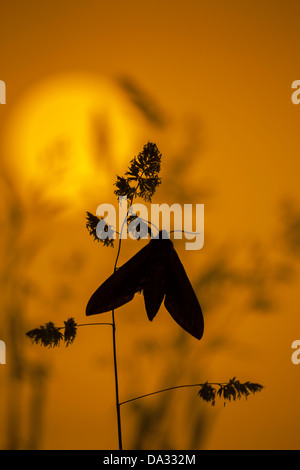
(87,85)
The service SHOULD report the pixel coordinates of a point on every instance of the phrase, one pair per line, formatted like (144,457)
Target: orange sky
(220,76)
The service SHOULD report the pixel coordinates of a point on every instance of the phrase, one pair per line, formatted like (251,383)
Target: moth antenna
(147,222)
(184,231)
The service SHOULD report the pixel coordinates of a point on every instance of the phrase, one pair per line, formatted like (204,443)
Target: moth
(158,273)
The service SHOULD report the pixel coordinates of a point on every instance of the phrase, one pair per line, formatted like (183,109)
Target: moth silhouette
(158,273)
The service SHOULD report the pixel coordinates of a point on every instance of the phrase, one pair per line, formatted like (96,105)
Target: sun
(68,136)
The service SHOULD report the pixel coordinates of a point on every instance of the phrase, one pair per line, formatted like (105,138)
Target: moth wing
(154,289)
(121,286)
(181,300)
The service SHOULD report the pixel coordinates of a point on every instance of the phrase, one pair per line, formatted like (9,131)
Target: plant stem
(87,324)
(116,383)
(115,361)
(166,390)
(114,342)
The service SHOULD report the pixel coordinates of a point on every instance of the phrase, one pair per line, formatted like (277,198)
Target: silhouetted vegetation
(141,180)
